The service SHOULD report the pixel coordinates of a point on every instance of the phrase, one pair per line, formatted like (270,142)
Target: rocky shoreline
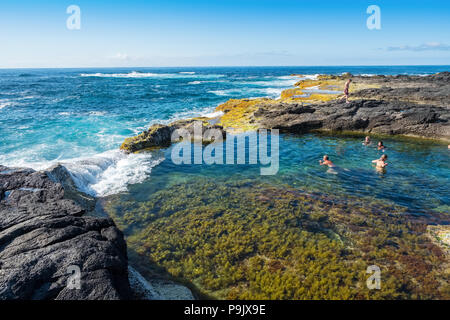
(43,236)
(414,106)
(51,249)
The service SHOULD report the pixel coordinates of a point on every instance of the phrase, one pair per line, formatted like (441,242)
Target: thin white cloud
(120,56)
(430,46)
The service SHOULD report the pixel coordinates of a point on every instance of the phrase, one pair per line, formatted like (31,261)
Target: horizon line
(239,66)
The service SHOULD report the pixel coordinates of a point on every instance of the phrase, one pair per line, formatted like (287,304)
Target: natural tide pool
(417,176)
(304,233)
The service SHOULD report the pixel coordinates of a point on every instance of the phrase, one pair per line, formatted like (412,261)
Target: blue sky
(223,33)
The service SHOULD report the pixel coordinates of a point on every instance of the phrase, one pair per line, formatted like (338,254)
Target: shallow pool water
(417,176)
(228,232)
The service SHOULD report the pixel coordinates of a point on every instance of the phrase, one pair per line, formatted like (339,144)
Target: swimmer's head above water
(326,161)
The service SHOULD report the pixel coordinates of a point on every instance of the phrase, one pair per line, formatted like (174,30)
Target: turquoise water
(417,177)
(80,117)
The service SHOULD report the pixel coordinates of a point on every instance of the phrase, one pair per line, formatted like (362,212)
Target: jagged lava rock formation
(42,234)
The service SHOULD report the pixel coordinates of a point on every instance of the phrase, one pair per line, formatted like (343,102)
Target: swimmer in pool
(381,146)
(381,163)
(367,141)
(326,162)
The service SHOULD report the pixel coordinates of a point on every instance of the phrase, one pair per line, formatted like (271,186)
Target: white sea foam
(111,172)
(310,76)
(5,103)
(97,113)
(262,92)
(207,81)
(271,88)
(208,112)
(214,114)
(29,97)
(274,83)
(102,174)
(222,92)
(187,72)
(132,74)
(135,74)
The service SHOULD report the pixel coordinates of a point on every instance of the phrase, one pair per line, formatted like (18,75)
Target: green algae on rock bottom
(247,240)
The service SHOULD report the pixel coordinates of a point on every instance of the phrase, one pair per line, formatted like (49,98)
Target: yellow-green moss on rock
(157,136)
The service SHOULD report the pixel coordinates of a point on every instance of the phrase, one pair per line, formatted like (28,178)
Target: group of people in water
(380,163)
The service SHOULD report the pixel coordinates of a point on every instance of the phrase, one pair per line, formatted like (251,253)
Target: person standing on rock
(346,87)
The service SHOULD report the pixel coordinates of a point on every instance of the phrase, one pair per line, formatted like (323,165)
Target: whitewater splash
(261,88)
(208,81)
(111,172)
(103,174)
(5,103)
(135,74)
(208,112)
(273,93)
(132,74)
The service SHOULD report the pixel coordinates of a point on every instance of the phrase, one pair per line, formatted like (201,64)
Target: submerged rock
(45,240)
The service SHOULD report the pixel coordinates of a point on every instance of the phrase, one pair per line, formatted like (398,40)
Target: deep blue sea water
(80,117)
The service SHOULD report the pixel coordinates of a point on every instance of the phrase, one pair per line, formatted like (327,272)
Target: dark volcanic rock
(371,116)
(160,135)
(43,236)
(402,104)
(59,174)
(157,136)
